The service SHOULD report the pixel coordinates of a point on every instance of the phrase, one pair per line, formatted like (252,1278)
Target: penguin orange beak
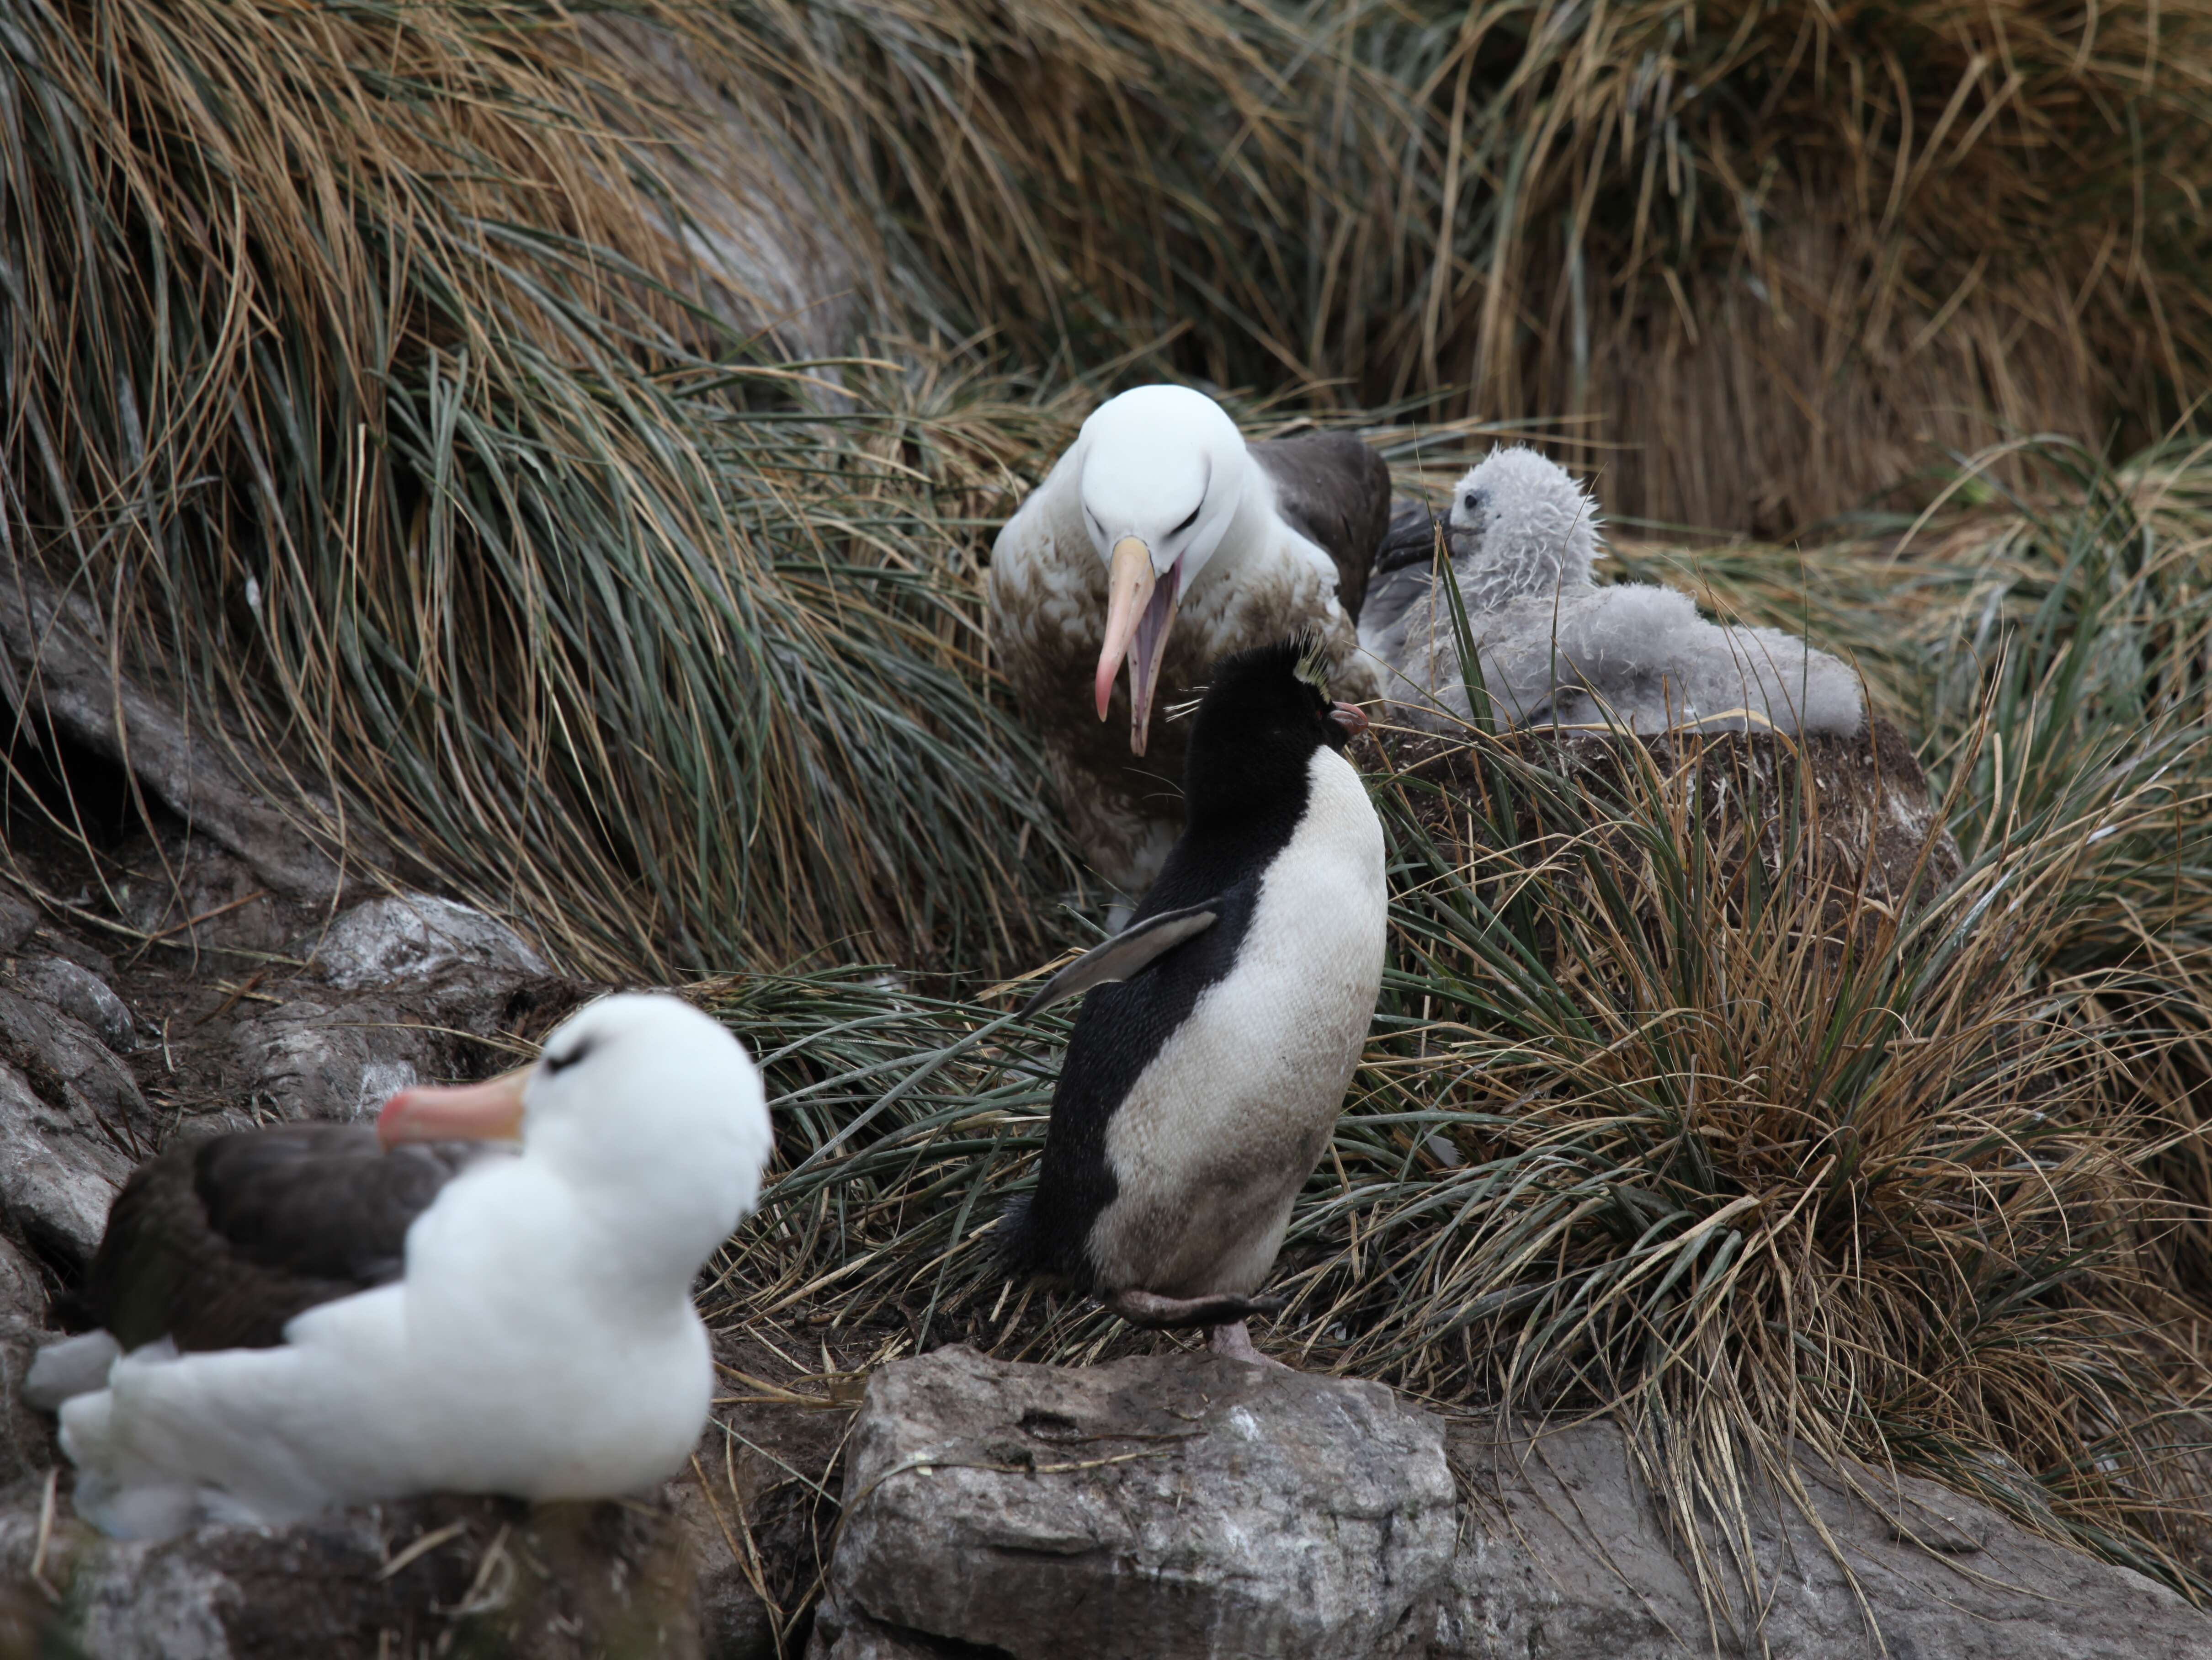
(1141,610)
(1350,717)
(490,1111)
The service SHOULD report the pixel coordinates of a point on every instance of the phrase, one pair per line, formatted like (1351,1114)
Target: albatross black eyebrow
(577,1051)
(1188,522)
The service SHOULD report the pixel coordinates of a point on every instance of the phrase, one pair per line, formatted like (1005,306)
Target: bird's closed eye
(1187,523)
(563,1063)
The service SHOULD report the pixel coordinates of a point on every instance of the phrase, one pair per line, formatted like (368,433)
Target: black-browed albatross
(313,1322)
(1160,542)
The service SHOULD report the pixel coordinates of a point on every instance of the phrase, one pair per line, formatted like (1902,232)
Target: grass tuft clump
(368,372)
(1770,254)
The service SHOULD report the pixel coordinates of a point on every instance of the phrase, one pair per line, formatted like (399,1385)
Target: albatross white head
(640,1104)
(1162,476)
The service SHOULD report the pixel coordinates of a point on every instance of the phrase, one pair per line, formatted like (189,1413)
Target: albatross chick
(1555,648)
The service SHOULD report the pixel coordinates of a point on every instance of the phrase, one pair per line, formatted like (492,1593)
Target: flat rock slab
(478,1577)
(1157,1507)
(1566,1559)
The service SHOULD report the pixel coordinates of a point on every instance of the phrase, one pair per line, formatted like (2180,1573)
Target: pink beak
(1350,717)
(490,1111)
(1141,611)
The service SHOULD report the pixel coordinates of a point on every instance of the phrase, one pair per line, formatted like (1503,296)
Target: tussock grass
(1659,1119)
(1773,253)
(364,372)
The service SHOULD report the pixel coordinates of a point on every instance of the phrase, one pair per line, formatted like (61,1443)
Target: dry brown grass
(364,374)
(1774,253)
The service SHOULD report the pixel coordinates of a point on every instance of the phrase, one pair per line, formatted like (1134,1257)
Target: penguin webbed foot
(1234,1342)
(1157,1313)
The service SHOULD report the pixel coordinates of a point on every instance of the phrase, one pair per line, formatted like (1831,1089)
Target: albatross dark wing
(220,1241)
(1403,572)
(1337,492)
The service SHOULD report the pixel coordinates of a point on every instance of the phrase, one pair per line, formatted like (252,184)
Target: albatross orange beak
(1141,610)
(490,1111)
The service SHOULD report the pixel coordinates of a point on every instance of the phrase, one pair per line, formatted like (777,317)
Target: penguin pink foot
(1234,1342)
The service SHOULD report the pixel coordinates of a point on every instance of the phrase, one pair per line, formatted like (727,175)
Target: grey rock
(26,1442)
(733,1622)
(313,1058)
(69,1110)
(413,937)
(52,657)
(66,1061)
(191,894)
(1179,1506)
(83,996)
(1565,1560)
(486,1577)
(18,917)
(58,1171)
(325,1053)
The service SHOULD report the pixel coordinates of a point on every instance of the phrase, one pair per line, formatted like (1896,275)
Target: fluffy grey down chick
(1555,647)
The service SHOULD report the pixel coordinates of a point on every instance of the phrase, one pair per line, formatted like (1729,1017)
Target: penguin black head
(1264,714)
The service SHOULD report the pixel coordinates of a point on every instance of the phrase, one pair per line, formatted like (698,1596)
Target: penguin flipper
(1126,954)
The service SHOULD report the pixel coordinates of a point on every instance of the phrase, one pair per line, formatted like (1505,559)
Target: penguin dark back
(1264,713)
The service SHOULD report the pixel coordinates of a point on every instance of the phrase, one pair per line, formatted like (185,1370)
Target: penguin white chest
(1213,1142)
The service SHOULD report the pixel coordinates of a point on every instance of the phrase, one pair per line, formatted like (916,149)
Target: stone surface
(476,1576)
(83,996)
(70,1114)
(1157,1507)
(52,657)
(189,892)
(26,1445)
(321,1054)
(734,1623)
(18,918)
(326,1058)
(1564,1559)
(58,1174)
(410,938)
(67,1062)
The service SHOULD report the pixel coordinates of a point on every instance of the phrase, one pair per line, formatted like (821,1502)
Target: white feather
(74,1366)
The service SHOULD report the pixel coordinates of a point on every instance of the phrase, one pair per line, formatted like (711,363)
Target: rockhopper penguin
(1221,1029)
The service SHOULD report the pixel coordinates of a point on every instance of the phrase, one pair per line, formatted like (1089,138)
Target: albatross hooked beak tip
(490,1111)
(1141,610)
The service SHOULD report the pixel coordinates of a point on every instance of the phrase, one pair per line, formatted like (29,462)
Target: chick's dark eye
(1473,500)
(561,1062)
(1187,523)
